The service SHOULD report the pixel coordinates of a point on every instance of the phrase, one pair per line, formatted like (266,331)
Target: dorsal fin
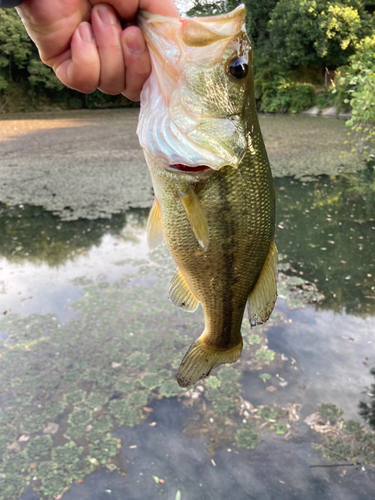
(154,227)
(180,293)
(263,296)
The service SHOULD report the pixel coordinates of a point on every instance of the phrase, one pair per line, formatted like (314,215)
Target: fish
(214,196)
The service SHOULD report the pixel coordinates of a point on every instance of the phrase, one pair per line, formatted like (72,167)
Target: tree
(207,8)
(356,88)
(15,46)
(317,32)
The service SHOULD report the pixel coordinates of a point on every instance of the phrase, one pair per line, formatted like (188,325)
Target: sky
(183,5)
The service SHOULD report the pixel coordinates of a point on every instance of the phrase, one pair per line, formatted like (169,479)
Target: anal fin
(262,298)
(200,360)
(196,216)
(180,293)
(154,227)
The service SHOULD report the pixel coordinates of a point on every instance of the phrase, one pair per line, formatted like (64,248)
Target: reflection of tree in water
(326,231)
(367,409)
(32,234)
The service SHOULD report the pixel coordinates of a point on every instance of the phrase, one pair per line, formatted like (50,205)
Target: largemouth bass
(214,196)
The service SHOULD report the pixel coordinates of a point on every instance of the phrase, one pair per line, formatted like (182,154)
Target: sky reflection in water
(91,343)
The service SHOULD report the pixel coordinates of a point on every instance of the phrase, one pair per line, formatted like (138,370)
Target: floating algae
(100,370)
(341,439)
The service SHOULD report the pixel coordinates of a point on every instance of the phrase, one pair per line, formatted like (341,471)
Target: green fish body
(214,197)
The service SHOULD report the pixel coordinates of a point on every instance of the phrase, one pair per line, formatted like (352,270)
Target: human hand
(84,43)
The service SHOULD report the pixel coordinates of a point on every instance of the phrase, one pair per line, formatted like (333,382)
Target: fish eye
(238,68)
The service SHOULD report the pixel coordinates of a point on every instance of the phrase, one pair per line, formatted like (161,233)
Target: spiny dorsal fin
(263,296)
(196,216)
(180,294)
(154,227)
(200,360)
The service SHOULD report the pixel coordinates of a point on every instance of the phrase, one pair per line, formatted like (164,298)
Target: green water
(90,344)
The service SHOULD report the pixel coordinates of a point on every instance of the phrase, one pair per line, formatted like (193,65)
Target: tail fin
(199,361)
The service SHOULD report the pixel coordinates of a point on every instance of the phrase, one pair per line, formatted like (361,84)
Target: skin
(85,44)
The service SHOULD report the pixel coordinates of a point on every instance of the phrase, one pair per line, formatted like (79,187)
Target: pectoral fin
(154,227)
(263,296)
(180,293)
(196,216)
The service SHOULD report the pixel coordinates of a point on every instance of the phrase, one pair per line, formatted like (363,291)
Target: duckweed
(39,447)
(100,370)
(247,437)
(267,413)
(124,413)
(53,480)
(265,355)
(105,448)
(97,399)
(67,455)
(330,411)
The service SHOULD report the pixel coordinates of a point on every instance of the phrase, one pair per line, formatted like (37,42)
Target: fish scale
(218,222)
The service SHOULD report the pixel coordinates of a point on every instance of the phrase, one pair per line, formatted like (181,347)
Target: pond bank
(88,164)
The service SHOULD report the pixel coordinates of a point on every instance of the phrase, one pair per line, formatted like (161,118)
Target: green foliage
(247,436)
(265,354)
(53,480)
(26,84)
(317,33)
(353,427)
(367,409)
(330,411)
(281,428)
(16,47)
(267,413)
(39,447)
(42,75)
(207,8)
(356,88)
(259,15)
(275,89)
(284,96)
(11,487)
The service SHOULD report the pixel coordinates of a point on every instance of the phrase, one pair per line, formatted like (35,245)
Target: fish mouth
(179,167)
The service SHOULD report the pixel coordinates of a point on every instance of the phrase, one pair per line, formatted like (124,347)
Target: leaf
(178,495)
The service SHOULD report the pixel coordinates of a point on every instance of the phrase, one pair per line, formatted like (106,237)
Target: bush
(317,33)
(282,96)
(355,88)
(26,84)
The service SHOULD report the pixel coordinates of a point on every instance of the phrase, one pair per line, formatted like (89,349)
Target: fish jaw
(191,108)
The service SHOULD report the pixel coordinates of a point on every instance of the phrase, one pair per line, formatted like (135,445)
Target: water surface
(90,346)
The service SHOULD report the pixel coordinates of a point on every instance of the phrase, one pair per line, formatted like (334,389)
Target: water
(90,345)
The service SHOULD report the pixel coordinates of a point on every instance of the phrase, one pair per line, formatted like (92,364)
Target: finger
(79,67)
(52,24)
(128,10)
(137,62)
(107,31)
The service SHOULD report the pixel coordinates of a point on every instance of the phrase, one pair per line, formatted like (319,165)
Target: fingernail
(136,43)
(106,15)
(85,32)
